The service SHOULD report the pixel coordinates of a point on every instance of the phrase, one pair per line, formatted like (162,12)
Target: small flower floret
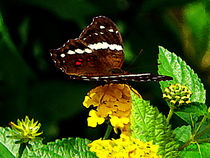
(25,130)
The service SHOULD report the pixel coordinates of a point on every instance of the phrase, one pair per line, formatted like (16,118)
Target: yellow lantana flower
(93,120)
(117,122)
(124,147)
(112,101)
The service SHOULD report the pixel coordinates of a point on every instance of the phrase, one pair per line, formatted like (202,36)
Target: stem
(108,131)
(203,140)
(199,149)
(193,125)
(201,133)
(185,145)
(169,115)
(21,149)
(204,118)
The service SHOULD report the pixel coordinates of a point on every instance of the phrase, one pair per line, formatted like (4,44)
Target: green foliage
(67,147)
(199,40)
(147,124)
(196,151)
(5,153)
(7,144)
(182,134)
(172,65)
(196,113)
(194,110)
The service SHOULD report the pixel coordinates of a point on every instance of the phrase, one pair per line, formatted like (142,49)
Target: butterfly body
(97,55)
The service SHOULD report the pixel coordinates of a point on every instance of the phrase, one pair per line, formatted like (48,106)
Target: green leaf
(7,145)
(172,65)
(205,129)
(193,151)
(198,109)
(187,117)
(194,110)
(5,153)
(182,133)
(147,124)
(67,147)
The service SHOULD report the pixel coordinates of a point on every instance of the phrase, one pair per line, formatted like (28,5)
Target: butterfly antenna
(134,59)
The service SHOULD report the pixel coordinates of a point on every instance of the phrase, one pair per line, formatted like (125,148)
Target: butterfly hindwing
(75,58)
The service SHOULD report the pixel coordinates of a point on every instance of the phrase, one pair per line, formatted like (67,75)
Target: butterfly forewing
(102,29)
(97,51)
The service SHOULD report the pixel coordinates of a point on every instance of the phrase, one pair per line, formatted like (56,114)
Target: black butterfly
(97,55)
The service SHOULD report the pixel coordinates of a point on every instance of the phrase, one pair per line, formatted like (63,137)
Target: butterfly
(97,55)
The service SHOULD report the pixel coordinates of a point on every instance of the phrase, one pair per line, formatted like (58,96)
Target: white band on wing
(105,45)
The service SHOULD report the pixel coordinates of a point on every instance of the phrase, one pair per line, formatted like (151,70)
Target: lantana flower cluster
(177,95)
(113,102)
(124,147)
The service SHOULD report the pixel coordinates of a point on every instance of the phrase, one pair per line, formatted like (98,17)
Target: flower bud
(177,95)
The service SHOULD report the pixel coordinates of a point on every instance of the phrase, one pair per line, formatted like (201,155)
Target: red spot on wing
(78,63)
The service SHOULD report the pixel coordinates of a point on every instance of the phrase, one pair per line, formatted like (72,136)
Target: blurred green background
(31,85)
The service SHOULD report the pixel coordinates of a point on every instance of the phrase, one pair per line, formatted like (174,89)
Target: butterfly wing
(144,77)
(97,55)
(97,51)
(75,58)
(102,29)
